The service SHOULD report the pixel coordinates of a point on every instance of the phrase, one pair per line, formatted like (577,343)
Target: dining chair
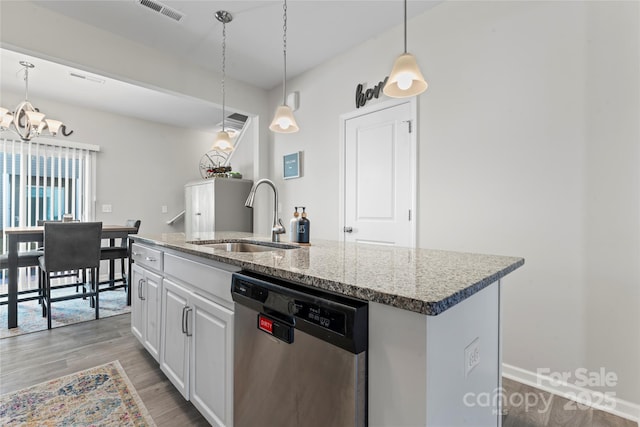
(121,252)
(70,246)
(74,273)
(25,259)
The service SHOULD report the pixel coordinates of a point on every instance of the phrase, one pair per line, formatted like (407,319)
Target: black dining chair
(121,252)
(70,246)
(25,259)
(74,273)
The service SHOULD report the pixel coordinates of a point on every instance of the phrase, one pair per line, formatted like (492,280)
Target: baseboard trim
(581,395)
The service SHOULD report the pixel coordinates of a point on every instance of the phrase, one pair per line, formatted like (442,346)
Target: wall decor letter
(369,94)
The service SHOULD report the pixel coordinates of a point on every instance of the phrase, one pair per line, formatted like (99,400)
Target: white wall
(141,165)
(67,41)
(612,190)
(528,146)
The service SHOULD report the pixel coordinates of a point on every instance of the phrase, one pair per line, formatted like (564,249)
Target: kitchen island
(434,316)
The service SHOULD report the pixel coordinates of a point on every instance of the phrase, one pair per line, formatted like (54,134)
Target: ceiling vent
(162,9)
(85,77)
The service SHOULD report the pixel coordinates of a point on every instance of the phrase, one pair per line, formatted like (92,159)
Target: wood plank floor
(537,408)
(33,358)
(30,359)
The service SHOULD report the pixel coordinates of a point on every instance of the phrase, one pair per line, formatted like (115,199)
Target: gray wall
(528,145)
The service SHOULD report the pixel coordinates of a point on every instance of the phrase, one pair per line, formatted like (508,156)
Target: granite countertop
(421,280)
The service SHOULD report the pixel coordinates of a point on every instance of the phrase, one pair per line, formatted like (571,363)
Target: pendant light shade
(284,121)
(405,79)
(223,140)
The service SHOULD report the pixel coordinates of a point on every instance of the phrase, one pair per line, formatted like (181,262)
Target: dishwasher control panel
(323,317)
(283,306)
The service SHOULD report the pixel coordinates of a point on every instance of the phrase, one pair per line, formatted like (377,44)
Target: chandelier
(26,120)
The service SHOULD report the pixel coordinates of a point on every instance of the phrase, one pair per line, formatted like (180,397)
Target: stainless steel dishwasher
(300,355)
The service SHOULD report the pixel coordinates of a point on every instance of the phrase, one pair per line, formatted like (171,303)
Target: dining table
(17,235)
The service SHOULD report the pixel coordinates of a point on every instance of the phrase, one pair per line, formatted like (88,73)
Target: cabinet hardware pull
(184,319)
(189,310)
(141,290)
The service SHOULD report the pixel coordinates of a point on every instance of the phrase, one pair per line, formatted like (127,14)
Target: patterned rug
(100,396)
(64,312)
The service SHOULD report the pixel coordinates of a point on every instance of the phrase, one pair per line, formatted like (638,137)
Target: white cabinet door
(174,354)
(137,306)
(151,298)
(145,308)
(212,361)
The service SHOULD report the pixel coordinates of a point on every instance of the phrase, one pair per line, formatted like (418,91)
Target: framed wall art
(291,165)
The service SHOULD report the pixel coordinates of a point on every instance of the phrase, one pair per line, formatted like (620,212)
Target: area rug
(100,396)
(63,312)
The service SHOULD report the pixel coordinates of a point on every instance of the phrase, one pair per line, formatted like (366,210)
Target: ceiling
(316,31)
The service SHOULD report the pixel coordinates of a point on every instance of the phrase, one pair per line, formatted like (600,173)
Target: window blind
(44,180)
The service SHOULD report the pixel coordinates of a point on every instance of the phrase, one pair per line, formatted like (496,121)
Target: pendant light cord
(284,50)
(405,26)
(26,83)
(224,66)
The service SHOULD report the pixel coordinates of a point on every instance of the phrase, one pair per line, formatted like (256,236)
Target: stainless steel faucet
(277,228)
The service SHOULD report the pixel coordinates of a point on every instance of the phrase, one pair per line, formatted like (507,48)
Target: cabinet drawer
(209,279)
(147,257)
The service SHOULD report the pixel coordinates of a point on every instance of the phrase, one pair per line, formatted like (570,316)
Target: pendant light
(223,140)
(283,121)
(405,79)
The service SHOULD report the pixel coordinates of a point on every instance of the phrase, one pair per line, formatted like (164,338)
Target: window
(44,180)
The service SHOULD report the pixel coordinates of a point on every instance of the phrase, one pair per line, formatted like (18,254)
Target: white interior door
(379,177)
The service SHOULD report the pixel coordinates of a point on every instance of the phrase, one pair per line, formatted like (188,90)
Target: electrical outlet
(471,356)
(106,208)
(164,209)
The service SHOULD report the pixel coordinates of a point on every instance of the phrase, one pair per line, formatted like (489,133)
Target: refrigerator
(216,204)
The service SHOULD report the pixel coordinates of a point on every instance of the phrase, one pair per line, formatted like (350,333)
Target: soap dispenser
(293,226)
(303,227)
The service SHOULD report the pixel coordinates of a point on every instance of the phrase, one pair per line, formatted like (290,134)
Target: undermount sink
(246,246)
(241,247)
